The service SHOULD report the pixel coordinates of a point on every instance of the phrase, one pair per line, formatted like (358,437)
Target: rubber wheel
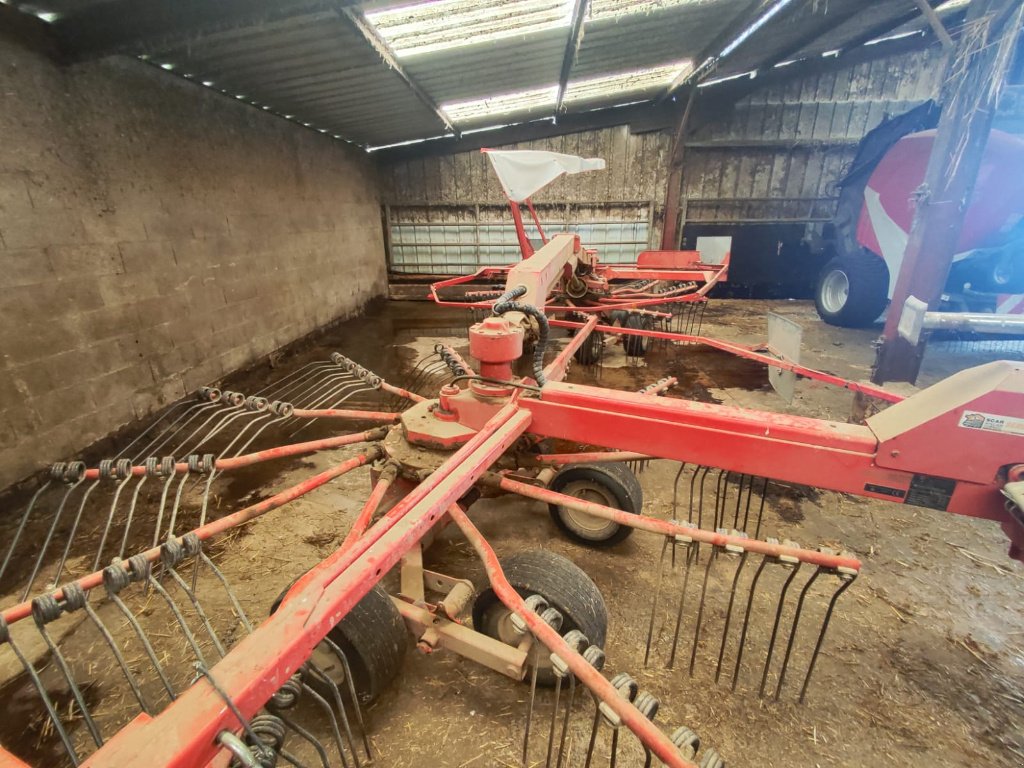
(589,352)
(636,346)
(373,638)
(566,588)
(611,484)
(852,290)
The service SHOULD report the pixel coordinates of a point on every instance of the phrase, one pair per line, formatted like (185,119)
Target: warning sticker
(990,422)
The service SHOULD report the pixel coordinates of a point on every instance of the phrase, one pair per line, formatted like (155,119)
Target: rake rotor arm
(894,466)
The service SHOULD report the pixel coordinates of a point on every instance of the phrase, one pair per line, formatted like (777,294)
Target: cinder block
(35,230)
(72,261)
(147,256)
(26,266)
(14,197)
(107,226)
(119,387)
(63,404)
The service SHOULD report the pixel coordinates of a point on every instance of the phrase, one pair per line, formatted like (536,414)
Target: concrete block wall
(155,235)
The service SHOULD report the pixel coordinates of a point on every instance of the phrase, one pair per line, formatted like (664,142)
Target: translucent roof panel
(621,85)
(442,25)
(519,104)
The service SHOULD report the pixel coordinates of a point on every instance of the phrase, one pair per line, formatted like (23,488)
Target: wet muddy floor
(923,663)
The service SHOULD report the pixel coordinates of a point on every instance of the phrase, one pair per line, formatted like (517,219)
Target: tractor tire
(611,484)
(636,346)
(374,640)
(852,290)
(559,581)
(589,352)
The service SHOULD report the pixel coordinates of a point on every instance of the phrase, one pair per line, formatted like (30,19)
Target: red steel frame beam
(831,455)
(748,352)
(280,452)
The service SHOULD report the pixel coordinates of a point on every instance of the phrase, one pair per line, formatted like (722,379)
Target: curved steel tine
(691,556)
(310,422)
(775,627)
(352,694)
(728,613)
(739,500)
(793,629)
(216,430)
(153,448)
(51,710)
(746,619)
(334,722)
(700,610)
(116,652)
(198,607)
(190,402)
(675,490)
(220,418)
(239,612)
(147,646)
(177,503)
(21,525)
(40,621)
(110,519)
(276,389)
(721,496)
(182,624)
(74,529)
(49,536)
(131,515)
(847,579)
(166,434)
(311,393)
(760,511)
(160,511)
(654,601)
(340,704)
(302,733)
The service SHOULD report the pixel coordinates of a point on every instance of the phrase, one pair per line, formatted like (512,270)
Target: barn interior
(512,383)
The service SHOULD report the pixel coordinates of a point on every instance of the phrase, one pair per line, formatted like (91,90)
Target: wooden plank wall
(773,158)
(776,157)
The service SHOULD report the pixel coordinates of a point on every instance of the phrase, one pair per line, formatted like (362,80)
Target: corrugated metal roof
(399,70)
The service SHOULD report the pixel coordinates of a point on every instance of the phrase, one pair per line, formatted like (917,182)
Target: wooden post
(970,93)
(670,229)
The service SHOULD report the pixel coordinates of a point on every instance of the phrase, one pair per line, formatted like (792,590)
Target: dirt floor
(924,659)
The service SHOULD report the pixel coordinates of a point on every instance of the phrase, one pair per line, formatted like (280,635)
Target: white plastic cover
(523,171)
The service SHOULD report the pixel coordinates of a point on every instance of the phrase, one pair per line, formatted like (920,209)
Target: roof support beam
(828,22)
(936,24)
(370,34)
(572,47)
(702,65)
(131,26)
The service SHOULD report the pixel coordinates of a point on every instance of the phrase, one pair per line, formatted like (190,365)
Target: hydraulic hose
(507,303)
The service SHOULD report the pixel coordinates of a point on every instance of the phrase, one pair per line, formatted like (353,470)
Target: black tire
(374,640)
(636,346)
(612,484)
(589,352)
(562,583)
(866,280)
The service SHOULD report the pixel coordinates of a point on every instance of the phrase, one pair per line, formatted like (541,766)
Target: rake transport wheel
(611,484)
(636,346)
(589,352)
(559,581)
(374,640)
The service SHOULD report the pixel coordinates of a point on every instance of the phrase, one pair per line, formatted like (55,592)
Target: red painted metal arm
(747,352)
(650,734)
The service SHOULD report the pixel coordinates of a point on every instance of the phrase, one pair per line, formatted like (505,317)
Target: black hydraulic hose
(507,303)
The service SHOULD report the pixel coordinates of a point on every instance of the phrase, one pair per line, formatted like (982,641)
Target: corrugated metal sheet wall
(774,158)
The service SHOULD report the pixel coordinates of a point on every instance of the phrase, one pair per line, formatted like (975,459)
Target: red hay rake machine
(202,682)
